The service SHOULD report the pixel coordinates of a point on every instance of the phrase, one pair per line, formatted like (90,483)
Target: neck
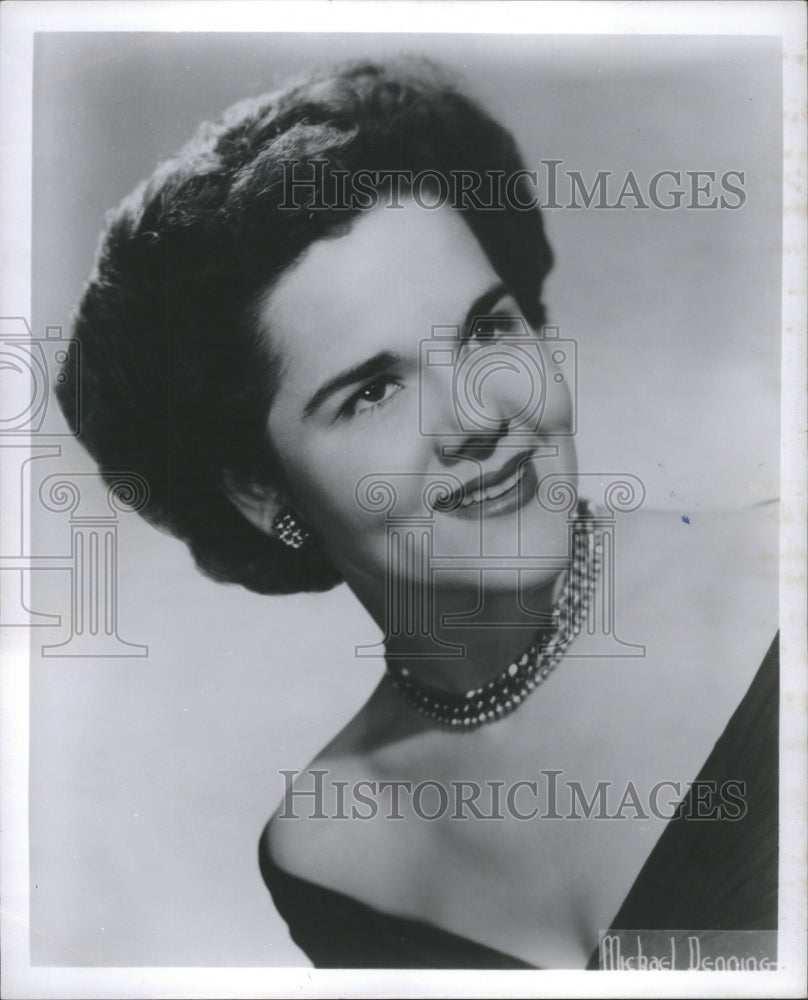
(459,652)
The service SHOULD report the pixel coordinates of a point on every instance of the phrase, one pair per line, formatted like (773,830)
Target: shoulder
(317,832)
(332,827)
(297,832)
(292,843)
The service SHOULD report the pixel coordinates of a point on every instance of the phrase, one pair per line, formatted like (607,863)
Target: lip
(498,492)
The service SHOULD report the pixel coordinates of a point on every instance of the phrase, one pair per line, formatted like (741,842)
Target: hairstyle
(176,377)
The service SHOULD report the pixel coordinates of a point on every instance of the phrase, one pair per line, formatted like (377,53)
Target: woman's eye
(486,331)
(506,321)
(372,395)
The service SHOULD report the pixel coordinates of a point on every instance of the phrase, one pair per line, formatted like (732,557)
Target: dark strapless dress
(702,874)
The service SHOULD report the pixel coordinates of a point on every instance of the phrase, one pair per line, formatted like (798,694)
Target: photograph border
(20,21)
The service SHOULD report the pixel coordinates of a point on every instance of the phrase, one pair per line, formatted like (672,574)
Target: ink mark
(685,519)
(685,501)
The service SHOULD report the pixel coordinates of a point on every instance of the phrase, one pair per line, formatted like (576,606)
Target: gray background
(151,778)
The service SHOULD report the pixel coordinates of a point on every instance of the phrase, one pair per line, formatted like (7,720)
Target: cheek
(323,480)
(354,537)
(324,467)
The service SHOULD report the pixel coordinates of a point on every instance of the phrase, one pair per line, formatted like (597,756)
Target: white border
(574,17)
(18,23)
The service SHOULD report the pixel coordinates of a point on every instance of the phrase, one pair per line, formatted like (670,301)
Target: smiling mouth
(493,492)
(490,487)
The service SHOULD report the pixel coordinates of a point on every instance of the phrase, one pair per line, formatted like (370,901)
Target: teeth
(492,492)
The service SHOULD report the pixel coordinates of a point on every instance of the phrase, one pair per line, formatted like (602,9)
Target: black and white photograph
(403,449)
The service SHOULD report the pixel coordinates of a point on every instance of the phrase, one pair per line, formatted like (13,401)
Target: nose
(471,445)
(494,389)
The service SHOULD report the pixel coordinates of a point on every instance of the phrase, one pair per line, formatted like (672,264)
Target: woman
(318,335)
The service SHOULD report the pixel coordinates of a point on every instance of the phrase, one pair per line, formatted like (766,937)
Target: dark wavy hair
(176,376)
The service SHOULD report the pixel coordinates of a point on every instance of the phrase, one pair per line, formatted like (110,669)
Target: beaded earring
(287,530)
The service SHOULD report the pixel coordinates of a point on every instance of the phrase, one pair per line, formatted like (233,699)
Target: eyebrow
(385,360)
(350,376)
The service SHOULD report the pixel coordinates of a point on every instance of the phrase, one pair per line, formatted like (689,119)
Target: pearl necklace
(502,695)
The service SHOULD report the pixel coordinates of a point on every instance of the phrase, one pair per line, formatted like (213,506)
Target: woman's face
(368,391)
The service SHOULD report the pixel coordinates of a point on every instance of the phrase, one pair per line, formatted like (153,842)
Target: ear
(258,502)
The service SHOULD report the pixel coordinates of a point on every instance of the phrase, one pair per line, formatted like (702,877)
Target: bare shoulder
(295,840)
(299,829)
(322,831)
(333,826)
